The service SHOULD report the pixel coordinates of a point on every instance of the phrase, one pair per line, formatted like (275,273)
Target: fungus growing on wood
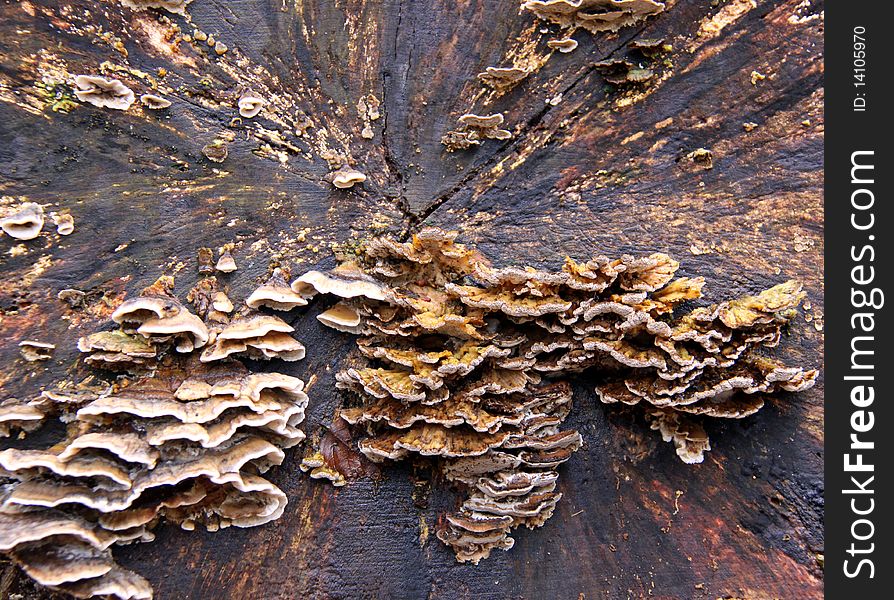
(255,335)
(250,104)
(154,102)
(225,262)
(174,6)
(25,223)
(117,350)
(64,223)
(211,303)
(620,72)
(473,129)
(563,45)
(503,78)
(34,351)
(346,177)
(465,363)
(593,15)
(185,442)
(216,151)
(159,316)
(205,260)
(276,293)
(104,93)
(21,415)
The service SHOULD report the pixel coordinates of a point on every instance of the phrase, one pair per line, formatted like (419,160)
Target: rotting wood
(602,171)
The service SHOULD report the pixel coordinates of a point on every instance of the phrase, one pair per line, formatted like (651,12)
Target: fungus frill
(104,93)
(64,223)
(250,104)
(276,293)
(564,45)
(503,78)
(473,129)
(458,355)
(593,15)
(159,316)
(175,6)
(154,102)
(34,351)
(25,223)
(255,335)
(346,177)
(183,442)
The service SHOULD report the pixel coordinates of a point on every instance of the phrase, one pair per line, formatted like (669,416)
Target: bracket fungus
(216,151)
(154,102)
(467,363)
(184,442)
(503,78)
(104,93)
(564,45)
(64,223)
(473,129)
(174,6)
(25,223)
(276,293)
(159,316)
(593,15)
(250,104)
(34,351)
(255,335)
(225,261)
(346,177)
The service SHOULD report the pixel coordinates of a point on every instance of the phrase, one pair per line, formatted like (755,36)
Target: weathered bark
(603,170)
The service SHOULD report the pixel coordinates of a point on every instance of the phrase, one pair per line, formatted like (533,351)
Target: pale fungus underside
(470,364)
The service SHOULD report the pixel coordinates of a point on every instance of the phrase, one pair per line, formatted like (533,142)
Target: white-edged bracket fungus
(250,104)
(104,93)
(276,293)
(64,223)
(225,262)
(593,15)
(25,223)
(473,129)
(181,442)
(154,102)
(563,45)
(33,351)
(174,6)
(460,357)
(346,177)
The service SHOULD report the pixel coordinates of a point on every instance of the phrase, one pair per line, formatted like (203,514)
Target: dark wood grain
(604,170)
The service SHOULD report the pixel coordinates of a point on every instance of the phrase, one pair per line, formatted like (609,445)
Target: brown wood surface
(604,170)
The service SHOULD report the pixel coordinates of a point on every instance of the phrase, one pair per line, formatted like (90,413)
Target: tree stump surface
(591,168)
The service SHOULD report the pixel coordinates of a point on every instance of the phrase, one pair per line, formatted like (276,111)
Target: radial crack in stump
(466,363)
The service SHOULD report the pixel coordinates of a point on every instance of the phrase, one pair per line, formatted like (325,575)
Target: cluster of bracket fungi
(183,434)
(460,361)
(465,362)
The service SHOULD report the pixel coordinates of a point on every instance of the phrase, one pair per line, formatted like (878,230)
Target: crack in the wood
(509,146)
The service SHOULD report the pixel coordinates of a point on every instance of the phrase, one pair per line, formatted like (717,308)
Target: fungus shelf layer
(171,439)
(469,364)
